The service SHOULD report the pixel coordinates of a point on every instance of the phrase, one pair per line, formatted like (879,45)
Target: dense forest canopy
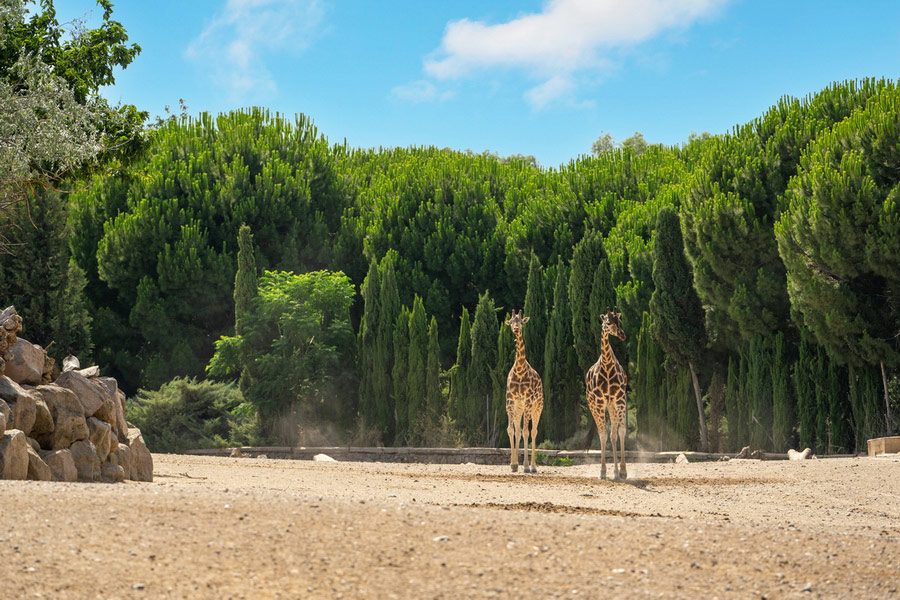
(757,274)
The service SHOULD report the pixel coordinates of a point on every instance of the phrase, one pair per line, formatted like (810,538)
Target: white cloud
(234,45)
(566,37)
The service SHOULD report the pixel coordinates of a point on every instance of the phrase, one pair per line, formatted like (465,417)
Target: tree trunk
(701,415)
(887,403)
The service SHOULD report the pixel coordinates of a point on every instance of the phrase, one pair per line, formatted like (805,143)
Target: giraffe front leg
(534,427)
(601,431)
(513,443)
(525,460)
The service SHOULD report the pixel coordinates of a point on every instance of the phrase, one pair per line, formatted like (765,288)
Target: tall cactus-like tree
(245,279)
(417,377)
(536,311)
(480,386)
(434,401)
(367,346)
(460,375)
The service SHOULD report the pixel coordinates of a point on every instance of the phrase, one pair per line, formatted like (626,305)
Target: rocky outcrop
(75,419)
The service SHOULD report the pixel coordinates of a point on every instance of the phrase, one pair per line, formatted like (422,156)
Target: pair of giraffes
(605,384)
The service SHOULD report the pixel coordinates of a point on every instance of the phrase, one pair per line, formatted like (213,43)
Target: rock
(758,454)
(34,444)
(37,468)
(108,410)
(43,420)
(69,424)
(681,459)
(89,371)
(25,362)
(110,472)
(120,427)
(123,458)
(4,415)
(10,391)
(744,453)
(100,436)
(71,363)
(10,325)
(62,465)
(13,455)
(323,458)
(90,393)
(141,460)
(794,455)
(86,461)
(236,453)
(22,412)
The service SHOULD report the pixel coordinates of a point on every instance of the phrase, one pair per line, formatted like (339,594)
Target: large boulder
(10,390)
(4,415)
(122,456)
(90,393)
(110,472)
(69,424)
(141,460)
(100,436)
(87,463)
(62,465)
(13,455)
(108,411)
(25,362)
(23,412)
(38,470)
(43,420)
(120,427)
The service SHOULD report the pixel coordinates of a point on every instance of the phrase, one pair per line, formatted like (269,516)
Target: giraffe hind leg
(525,430)
(513,442)
(534,427)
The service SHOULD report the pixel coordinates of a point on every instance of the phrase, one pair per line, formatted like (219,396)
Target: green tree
(460,374)
(417,368)
(434,400)
(385,383)
(588,256)
(400,374)
(783,417)
(536,310)
(366,345)
(677,314)
(506,356)
(805,392)
(563,387)
(480,384)
(245,279)
(299,337)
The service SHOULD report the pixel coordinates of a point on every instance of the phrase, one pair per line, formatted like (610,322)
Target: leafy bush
(186,413)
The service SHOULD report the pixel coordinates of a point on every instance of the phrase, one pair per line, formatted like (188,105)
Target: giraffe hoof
(514,468)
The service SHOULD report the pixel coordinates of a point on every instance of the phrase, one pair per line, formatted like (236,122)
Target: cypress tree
(822,364)
(678,321)
(400,379)
(836,389)
(649,376)
(536,310)
(562,381)
(417,376)
(805,393)
(433,398)
(732,405)
(245,279)
(366,345)
(388,312)
(460,373)
(506,356)
(760,393)
(587,257)
(602,298)
(480,385)
(783,407)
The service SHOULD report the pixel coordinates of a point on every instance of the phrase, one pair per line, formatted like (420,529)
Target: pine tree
(433,397)
(678,321)
(417,375)
(480,385)
(400,372)
(366,345)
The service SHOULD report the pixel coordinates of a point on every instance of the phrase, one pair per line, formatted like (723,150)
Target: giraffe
(524,400)
(605,389)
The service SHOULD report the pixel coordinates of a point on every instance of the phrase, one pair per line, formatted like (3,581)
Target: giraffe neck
(607,356)
(520,351)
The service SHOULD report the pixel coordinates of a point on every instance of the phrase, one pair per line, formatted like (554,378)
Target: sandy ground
(256,528)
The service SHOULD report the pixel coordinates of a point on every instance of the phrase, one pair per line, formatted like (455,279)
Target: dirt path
(257,528)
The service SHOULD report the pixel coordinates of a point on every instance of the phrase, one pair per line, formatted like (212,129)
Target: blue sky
(539,77)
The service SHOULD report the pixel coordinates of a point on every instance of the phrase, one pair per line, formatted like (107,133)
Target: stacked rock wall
(67,426)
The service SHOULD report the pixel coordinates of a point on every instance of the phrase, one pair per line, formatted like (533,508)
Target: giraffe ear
(525,320)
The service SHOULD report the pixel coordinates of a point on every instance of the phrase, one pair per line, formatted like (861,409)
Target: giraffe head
(516,321)
(612,323)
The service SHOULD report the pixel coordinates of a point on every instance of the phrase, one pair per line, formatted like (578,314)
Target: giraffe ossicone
(605,385)
(524,400)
